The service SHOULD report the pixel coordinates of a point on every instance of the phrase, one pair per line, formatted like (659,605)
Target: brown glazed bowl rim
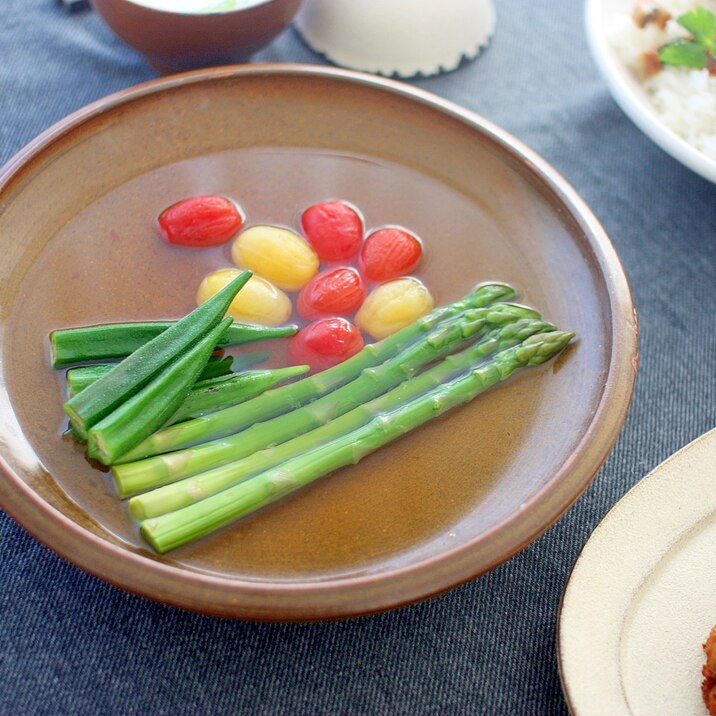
(366,593)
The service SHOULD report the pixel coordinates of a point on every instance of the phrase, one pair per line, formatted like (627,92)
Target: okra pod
(150,407)
(134,372)
(118,340)
(80,378)
(207,395)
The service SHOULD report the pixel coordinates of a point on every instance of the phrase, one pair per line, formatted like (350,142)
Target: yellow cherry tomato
(394,305)
(259,301)
(277,254)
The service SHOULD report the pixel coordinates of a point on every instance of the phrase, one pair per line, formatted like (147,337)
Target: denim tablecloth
(71,644)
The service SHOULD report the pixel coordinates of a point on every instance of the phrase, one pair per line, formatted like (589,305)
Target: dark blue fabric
(71,644)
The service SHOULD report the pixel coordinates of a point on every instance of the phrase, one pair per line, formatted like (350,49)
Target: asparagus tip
(540,347)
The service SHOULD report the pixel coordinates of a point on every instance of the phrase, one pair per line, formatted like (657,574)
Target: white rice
(684,98)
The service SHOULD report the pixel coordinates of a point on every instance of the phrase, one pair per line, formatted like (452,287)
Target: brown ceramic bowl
(174,41)
(442,505)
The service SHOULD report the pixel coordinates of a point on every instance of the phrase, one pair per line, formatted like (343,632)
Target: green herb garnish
(698,50)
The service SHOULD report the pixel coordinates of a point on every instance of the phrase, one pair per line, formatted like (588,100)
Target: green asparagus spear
(80,378)
(222,392)
(189,523)
(118,340)
(185,492)
(281,400)
(372,382)
(133,373)
(154,404)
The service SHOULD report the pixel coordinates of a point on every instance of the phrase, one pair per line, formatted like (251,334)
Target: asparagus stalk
(133,373)
(190,490)
(151,406)
(177,528)
(280,400)
(219,393)
(158,470)
(118,340)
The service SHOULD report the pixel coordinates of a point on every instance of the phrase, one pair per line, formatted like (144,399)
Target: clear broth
(107,264)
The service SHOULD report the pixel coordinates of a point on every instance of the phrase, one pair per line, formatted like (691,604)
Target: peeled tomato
(259,301)
(394,305)
(279,255)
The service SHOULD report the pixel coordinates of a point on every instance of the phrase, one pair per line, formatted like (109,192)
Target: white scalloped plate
(402,38)
(641,598)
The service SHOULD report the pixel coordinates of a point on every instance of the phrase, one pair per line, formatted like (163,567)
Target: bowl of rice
(673,105)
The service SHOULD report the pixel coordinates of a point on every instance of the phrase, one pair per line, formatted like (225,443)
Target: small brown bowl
(177,41)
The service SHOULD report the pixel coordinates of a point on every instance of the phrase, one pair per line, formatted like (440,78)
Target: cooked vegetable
(278,255)
(246,360)
(394,305)
(185,492)
(259,301)
(200,222)
(151,406)
(334,230)
(189,523)
(118,340)
(325,343)
(275,402)
(211,395)
(389,253)
(80,378)
(218,366)
(134,372)
(697,52)
(371,382)
(336,292)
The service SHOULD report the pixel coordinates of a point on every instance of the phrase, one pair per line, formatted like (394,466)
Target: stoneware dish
(627,92)
(176,41)
(436,508)
(640,600)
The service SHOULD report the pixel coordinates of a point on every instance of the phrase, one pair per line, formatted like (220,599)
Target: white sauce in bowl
(200,7)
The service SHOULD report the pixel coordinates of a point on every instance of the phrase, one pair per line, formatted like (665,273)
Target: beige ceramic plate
(436,508)
(641,599)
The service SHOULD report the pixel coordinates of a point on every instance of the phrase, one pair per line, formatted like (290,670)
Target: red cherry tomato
(389,253)
(331,293)
(200,221)
(333,229)
(325,343)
